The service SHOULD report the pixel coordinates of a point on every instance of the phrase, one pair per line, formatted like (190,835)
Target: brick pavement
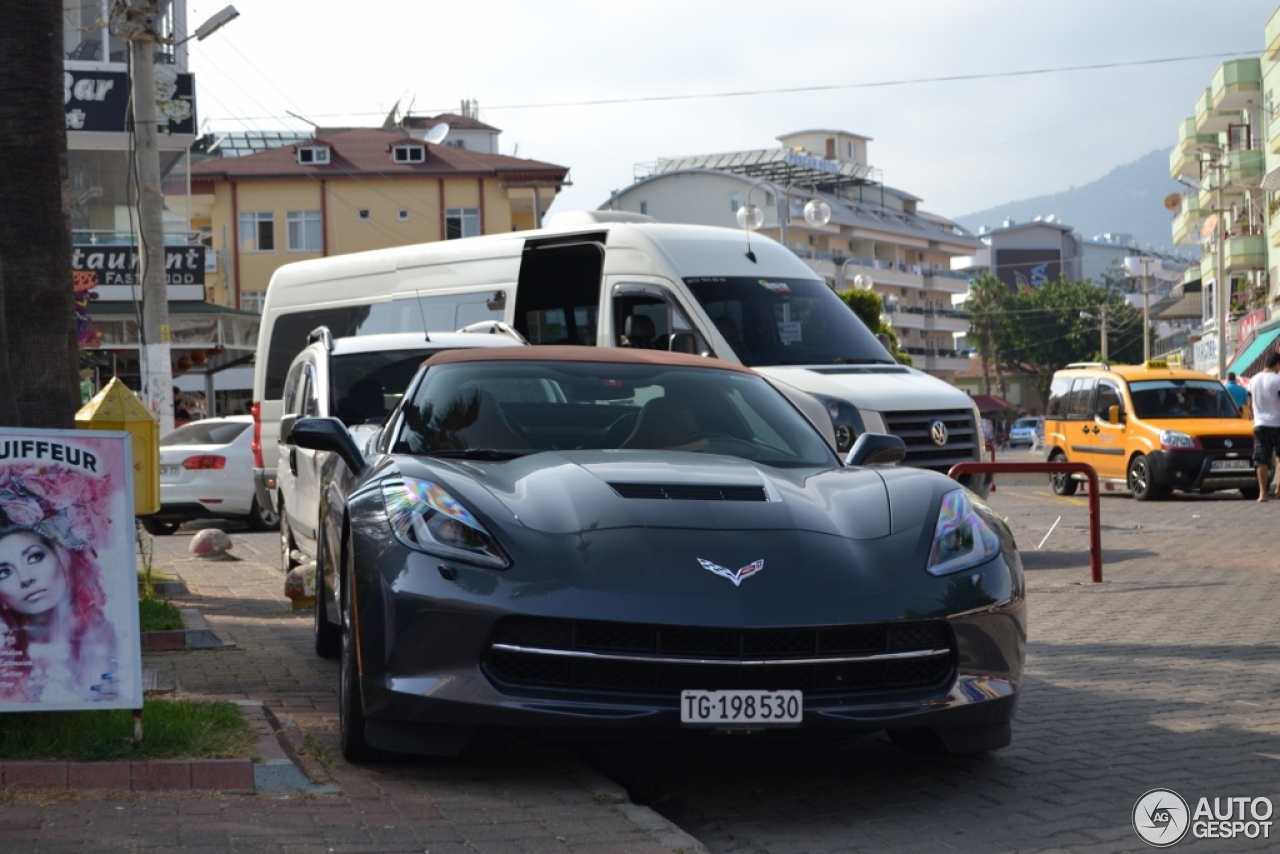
(1165,675)
(500,797)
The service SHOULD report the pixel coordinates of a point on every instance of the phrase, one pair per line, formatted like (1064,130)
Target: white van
(610,279)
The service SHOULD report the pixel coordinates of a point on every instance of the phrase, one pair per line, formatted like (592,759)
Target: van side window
(289,334)
(1108,396)
(310,393)
(1081,394)
(291,385)
(1059,392)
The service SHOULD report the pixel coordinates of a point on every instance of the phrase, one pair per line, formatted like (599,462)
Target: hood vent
(690,492)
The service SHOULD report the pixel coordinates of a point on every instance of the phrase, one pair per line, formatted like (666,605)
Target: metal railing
(1062,467)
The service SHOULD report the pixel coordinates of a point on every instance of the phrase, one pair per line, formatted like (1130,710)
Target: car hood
(1204,426)
(580,491)
(878,388)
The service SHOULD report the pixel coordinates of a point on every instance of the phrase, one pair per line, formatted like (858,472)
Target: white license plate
(1220,465)
(169,471)
(741,708)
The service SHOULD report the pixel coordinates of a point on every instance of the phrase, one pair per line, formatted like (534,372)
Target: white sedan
(206,471)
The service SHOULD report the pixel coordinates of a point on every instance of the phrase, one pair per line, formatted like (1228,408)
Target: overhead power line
(912,81)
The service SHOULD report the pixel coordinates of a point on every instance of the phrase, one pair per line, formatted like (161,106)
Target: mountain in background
(1127,200)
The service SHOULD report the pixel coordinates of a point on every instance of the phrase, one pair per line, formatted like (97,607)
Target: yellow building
(353,190)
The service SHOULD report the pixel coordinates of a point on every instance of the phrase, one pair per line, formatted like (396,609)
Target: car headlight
(961,538)
(426,518)
(1172,440)
(845,421)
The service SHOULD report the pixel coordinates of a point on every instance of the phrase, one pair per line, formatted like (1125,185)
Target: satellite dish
(1210,223)
(436,135)
(1173,201)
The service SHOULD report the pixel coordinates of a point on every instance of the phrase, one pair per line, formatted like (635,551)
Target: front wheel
(287,562)
(1140,482)
(1062,482)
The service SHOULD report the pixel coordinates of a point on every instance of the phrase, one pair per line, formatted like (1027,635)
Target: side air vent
(688,492)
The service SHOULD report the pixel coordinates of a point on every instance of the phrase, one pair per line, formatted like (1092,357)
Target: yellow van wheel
(1140,483)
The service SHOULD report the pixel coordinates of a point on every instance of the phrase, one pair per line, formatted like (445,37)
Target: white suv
(358,379)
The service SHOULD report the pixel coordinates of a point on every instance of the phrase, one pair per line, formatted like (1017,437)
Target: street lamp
(135,21)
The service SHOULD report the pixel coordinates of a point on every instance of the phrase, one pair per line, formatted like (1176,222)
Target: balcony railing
(1237,83)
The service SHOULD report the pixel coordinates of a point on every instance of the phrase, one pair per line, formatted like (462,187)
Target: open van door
(558,292)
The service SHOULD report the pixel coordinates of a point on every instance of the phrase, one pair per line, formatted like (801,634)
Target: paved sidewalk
(500,796)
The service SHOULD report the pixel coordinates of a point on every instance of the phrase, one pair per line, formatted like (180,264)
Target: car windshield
(1175,398)
(517,408)
(787,322)
(210,432)
(1024,424)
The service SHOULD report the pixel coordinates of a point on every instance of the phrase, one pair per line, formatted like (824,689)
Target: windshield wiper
(475,454)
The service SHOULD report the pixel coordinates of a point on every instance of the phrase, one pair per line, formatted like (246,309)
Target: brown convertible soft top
(573,353)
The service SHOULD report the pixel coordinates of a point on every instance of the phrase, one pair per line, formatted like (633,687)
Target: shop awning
(1250,360)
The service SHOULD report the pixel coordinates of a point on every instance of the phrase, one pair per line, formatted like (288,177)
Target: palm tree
(38,349)
(986,297)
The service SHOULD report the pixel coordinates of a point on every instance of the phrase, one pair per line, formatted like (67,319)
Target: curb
(274,771)
(195,634)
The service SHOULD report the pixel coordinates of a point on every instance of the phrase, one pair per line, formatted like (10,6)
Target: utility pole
(136,22)
(1103,312)
(1222,286)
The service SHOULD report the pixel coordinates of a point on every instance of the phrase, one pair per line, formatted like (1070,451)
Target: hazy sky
(667,69)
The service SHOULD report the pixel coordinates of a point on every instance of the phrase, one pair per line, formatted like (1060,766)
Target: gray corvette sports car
(598,541)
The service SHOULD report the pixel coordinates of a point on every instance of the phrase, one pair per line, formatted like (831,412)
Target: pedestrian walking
(1238,393)
(1264,393)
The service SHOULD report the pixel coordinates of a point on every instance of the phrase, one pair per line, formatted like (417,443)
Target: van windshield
(1182,399)
(786,322)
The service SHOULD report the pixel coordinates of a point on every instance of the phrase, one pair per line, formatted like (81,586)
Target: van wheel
(261,519)
(328,637)
(351,717)
(1140,483)
(1062,482)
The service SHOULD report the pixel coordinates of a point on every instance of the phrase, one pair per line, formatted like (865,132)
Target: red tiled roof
(362,151)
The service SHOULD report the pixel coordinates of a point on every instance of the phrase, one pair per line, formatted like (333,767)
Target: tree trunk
(38,348)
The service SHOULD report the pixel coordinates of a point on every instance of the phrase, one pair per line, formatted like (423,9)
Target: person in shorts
(1264,394)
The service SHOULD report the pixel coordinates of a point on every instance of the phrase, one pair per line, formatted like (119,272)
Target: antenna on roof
(426,336)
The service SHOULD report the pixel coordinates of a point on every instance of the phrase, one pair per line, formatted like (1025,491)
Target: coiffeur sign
(69,634)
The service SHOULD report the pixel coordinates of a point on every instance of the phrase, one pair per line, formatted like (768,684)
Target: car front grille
(663,660)
(1239,444)
(915,429)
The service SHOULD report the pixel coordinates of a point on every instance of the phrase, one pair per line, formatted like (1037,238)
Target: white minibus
(609,279)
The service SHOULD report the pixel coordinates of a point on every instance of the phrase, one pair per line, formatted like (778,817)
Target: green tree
(1042,331)
(869,307)
(38,350)
(987,296)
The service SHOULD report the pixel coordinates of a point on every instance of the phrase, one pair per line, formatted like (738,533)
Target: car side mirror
(325,434)
(1113,414)
(876,449)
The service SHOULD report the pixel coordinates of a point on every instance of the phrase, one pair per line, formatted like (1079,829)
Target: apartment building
(818,194)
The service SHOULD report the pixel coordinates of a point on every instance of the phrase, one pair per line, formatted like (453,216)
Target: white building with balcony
(876,235)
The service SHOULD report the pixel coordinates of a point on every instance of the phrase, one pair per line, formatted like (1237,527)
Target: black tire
(1062,482)
(350,699)
(328,637)
(1139,480)
(156,528)
(260,519)
(287,562)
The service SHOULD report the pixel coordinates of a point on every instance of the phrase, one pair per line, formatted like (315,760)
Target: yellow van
(1151,428)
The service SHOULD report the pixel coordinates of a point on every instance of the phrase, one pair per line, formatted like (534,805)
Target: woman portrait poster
(68,572)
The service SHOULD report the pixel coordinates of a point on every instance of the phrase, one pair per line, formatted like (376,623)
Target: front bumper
(430,665)
(1193,470)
